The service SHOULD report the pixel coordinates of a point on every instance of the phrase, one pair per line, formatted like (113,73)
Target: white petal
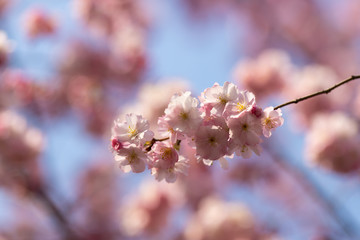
(224,163)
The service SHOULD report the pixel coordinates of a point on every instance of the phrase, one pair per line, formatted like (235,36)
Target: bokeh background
(69,68)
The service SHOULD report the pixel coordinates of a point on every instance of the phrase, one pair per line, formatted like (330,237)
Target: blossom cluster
(333,143)
(224,121)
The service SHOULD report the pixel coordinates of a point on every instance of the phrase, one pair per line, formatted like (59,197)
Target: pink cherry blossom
(245,131)
(134,130)
(271,120)
(182,113)
(165,130)
(211,142)
(164,155)
(170,174)
(227,122)
(245,102)
(218,96)
(133,157)
(165,162)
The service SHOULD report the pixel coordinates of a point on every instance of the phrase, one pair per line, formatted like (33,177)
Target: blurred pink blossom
(149,210)
(311,79)
(333,143)
(6,47)
(264,75)
(38,23)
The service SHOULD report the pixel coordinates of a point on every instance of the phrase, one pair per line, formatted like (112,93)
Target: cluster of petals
(226,121)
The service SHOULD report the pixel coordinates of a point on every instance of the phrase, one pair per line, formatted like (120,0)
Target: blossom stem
(153,141)
(318,93)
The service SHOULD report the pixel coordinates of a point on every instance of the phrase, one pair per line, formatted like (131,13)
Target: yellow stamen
(269,123)
(132,157)
(166,153)
(222,100)
(132,132)
(240,106)
(184,116)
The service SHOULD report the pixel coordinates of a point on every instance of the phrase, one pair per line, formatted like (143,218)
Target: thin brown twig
(57,214)
(318,93)
(153,141)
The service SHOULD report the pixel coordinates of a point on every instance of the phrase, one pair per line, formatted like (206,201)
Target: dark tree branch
(318,93)
(153,141)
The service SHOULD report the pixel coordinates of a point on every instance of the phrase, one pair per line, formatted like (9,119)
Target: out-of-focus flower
(356,104)
(148,211)
(20,145)
(311,79)
(333,143)
(217,219)
(83,60)
(159,102)
(38,23)
(3,5)
(18,142)
(199,182)
(97,201)
(106,17)
(265,75)
(6,47)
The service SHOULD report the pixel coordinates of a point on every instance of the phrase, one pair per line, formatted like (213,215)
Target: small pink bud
(257,111)
(116,144)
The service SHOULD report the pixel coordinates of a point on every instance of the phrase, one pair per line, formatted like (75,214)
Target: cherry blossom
(218,96)
(245,101)
(134,130)
(228,121)
(170,174)
(211,142)
(271,120)
(182,113)
(131,156)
